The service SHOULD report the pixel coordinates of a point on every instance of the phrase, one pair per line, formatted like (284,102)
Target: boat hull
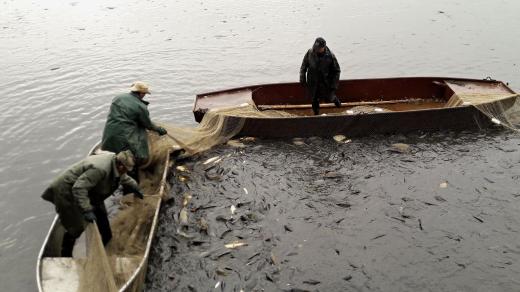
(459,118)
(412,109)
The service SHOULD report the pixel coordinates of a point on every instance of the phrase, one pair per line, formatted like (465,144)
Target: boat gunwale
(253,87)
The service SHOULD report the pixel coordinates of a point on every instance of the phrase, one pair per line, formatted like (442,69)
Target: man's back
(97,165)
(126,125)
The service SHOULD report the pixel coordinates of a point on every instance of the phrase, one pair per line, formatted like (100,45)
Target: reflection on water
(64,61)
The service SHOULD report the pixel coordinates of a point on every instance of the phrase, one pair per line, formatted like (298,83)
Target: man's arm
(146,122)
(303,69)
(86,181)
(129,182)
(335,71)
(132,185)
(144,119)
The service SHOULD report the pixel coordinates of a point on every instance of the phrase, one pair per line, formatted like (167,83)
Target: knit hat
(126,158)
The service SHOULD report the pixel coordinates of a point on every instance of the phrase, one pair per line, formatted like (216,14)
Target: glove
(303,80)
(138,194)
(89,216)
(161,131)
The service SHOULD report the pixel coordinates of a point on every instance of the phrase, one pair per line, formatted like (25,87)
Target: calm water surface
(63,61)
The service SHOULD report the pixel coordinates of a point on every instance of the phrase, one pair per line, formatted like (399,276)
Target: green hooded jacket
(88,183)
(126,126)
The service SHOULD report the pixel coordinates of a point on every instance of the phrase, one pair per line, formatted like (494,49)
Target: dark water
(63,61)
(359,216)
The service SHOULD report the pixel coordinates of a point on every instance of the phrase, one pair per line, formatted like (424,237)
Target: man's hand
(89,216)
(303,80)
(138,194)
(161,131)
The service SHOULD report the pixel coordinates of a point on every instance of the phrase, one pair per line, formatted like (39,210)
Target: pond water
(63,61)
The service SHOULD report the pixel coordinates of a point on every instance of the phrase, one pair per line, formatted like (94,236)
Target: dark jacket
(320,71)
(126,126)
(88,183)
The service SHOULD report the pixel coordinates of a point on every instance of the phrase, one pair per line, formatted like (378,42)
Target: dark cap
(319,43)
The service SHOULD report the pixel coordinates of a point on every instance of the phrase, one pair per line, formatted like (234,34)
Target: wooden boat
(55,273)
(400,105)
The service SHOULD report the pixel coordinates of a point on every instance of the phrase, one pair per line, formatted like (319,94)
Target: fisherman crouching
(79,192)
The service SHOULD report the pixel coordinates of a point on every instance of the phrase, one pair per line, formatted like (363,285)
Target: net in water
(503,109)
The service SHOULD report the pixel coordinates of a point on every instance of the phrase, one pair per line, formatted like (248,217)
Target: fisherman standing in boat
(78,194)
(127,123)
(319,73)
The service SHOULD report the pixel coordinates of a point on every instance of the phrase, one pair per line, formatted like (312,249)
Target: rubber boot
(335,99)
(316,106)
(337,102)
(67,245)
(103,224)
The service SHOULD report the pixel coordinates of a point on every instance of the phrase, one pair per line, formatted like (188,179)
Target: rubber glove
(161,131)
(89,216)
(138,194)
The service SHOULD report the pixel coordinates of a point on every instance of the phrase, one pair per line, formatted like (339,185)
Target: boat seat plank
(460,87)
(62,274)
(331,105)
(476,92)
(225,99)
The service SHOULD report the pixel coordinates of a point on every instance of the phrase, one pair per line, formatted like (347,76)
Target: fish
(235,244)
(298,141)
(203,224)
(311,282)
(233,209)
(400,148)
(213,159)
(339,138)
(248,139)
(187,199)
(182,168)
(236,144)
(183,217)
(221,272)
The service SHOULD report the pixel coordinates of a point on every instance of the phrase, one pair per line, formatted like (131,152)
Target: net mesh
(500,108)
(96,273)
(217,127)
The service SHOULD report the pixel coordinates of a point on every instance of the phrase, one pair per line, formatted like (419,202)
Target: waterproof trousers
(69,239)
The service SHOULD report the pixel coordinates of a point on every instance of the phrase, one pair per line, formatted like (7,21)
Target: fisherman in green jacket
(127,123)
(79,192)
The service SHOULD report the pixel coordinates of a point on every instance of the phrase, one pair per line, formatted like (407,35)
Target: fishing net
(96,273)
(217,127)
(502,109)
(109,268)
